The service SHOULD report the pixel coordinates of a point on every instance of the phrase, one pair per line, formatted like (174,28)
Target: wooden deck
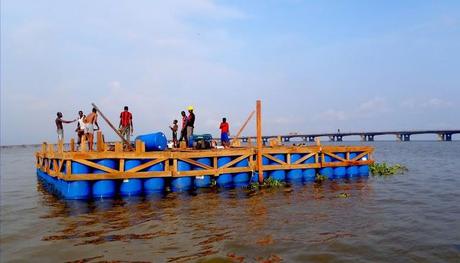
(57,161)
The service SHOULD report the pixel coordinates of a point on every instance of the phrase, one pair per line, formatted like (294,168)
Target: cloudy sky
(316,65)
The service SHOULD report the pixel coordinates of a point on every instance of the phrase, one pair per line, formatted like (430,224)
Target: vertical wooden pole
(100,142)
(72,145)
(259,141)
(83,144)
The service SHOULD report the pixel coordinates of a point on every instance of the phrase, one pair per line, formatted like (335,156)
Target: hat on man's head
(190,108)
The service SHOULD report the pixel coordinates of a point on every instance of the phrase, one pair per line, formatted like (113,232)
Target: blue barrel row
(136,186)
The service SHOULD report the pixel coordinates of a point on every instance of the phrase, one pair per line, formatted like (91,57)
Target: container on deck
(224,180)
(154,141)
(104,188)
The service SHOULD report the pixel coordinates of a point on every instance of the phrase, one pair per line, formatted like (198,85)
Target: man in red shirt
(126,124)
(224,133)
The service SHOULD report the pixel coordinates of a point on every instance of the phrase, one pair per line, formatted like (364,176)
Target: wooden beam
(244,125)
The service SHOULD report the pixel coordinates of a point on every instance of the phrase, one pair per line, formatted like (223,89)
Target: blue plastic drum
(224,180)
(241,179)
(154,141)
(363,170)
(156,184)
(327,171)
(340,172)
(204,180)
(352,171)
(133,186)
(181,184)
(104,188)
(294,175)
(279,175)
(75,189)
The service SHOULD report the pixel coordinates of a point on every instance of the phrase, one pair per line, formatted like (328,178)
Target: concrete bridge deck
(443,135)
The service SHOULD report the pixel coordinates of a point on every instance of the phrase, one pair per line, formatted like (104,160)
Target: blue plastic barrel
(363,170)
(241,179)
(133,186)
(104,188)
(181,184)
(204,180)
(154,141)
(340,172)
(294,175)
(279,175)
(224,180)
(327,171)
(154,185)
(352,171)
(309,174)
(75,189)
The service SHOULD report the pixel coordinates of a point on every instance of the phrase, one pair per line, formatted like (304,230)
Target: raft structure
(114,170)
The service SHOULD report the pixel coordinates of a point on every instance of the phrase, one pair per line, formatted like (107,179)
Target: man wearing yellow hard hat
(190,122)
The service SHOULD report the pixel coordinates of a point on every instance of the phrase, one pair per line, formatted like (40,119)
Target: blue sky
(316,65)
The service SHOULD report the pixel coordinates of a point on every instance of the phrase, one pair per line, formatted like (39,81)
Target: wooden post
(100,142)
(83,145)
(259,141)
(60,146)
(72,145)
(235,139)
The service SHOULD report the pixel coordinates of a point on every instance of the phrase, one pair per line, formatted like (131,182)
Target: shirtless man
(60,129)
(90,121)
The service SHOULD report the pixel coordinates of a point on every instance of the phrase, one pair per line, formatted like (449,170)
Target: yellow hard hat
(190,108)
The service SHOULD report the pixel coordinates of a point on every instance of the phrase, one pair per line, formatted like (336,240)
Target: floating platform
(111,171)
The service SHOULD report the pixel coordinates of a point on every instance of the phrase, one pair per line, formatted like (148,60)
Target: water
(413,217)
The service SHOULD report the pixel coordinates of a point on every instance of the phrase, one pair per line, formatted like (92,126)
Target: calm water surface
(413,217)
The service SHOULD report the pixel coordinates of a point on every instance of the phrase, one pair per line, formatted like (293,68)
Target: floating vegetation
(320,178)
(343,195)
(384,169)
(267,183)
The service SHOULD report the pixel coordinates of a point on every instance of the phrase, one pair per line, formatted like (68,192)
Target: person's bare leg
(90,141)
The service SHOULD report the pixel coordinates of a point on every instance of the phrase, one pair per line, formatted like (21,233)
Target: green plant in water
(267,183)
(384,169)
(320,178)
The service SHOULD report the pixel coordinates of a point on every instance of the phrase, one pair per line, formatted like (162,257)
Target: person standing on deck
(174,129)
(80,126)
(183,131)
(190,123)
(126,124)
(224,133)
(60,128)
(90,121)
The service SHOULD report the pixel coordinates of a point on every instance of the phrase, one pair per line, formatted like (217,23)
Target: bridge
(443,135)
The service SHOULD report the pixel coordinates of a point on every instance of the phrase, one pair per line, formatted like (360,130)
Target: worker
(80,126)
(224,133)
(190,123)
(90,122)
(174,128)
(126,124)
(183,131)
(60,128)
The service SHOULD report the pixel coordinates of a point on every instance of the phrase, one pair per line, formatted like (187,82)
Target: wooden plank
(84,144)
(304,158)
(191,161)
(234,161)
(244,125)
(333,155)
(72,145)
(100,142)
(269,156)
(145,165)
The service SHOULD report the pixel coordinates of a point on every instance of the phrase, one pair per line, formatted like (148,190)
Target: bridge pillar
(311,138)
(399,137)
(406,137)
(286,139)
(244,139)
(339,138)
(370,137)
(363,137)
(446,137)
(332,138)
(264,139)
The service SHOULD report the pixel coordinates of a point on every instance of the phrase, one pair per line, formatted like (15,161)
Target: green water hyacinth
(268,183)
(384,169)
